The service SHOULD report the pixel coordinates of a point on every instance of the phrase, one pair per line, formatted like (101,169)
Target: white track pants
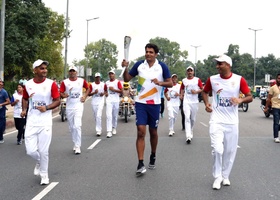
(172,116)
(74,118)
(190,110)
(97,115)
(224,141)
(37,143)
(112,111)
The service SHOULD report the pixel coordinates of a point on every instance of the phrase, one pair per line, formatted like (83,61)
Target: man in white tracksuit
(97,102)
(113,89)
(72,89)
(225,88)
(40,96)
(172,96)
(190,88)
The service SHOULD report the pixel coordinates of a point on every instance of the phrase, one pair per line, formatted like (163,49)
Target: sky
(210,24)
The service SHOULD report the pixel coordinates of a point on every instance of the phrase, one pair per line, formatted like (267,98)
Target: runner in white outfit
(97,102)
(72,89)
(113,89)
(172,96)
(223,130)
(190,88)
(42,95)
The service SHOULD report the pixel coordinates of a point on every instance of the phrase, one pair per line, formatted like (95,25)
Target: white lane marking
(45,191)
(204,124)
(94,144)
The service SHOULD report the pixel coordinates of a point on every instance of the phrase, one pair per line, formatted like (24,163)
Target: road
(106,171)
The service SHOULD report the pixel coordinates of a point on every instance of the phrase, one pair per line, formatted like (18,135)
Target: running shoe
(217,183)
(114,131)
(109,134)
(37,169)
(142,170)
(44,180)
(78,150)
(226,182)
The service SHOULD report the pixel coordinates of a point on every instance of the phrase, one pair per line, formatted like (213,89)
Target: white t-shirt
(112,95)
(147,91)
(223,90)
(75,91)
(18,105)
(174,100)
(188,85)
(40,94)
(96,98)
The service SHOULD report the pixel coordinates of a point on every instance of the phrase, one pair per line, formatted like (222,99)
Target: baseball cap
(73,68)
(174,75)
(111,71)
(189,67)
(97,74)
(224,58)
(39,62)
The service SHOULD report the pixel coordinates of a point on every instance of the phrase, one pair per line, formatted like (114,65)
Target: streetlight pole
(66,42)
(255,49)
(2,39)
(195,61)
(87,56)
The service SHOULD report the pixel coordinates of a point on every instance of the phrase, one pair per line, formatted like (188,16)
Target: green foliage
(50,46)
(10,87)
(26,23)
(32,31)
(102,57)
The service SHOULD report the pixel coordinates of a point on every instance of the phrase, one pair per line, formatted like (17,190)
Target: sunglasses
(72,70)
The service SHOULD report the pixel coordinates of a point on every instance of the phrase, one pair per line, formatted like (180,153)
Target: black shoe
(152,162)
(188,141)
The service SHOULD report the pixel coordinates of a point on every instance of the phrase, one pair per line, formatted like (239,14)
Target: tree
(50,46)
(169,52)
(26,24)
(102,57)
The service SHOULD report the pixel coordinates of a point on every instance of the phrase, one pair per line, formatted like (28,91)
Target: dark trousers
(276,118)
(183,115)
(20,126)
(162,106)
(2,127)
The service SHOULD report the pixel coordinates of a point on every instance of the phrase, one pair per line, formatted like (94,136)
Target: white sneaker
(45,180)
(114,131)
(226,182)
(78,150)
(217,183)
(98,133)
(276,140)
(109,134)
(74,148)
(37,169)
(171,133)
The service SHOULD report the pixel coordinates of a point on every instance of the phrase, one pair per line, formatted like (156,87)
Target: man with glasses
(72,89)
(224,122)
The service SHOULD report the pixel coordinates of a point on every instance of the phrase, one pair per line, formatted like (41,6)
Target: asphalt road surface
(105,170)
